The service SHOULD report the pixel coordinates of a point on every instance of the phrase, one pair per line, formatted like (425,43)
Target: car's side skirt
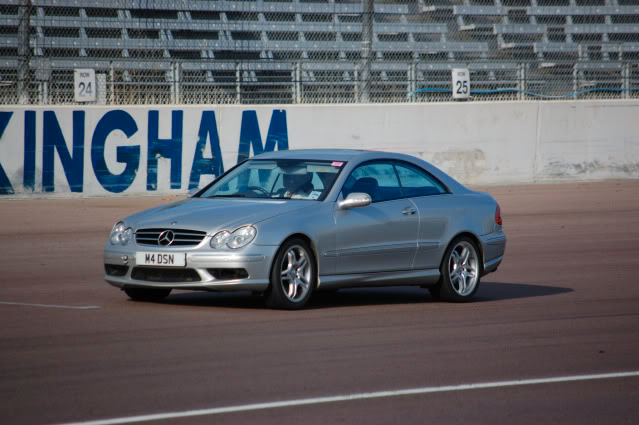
(394,278)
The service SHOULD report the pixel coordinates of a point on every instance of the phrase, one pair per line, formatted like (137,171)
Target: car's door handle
(409,211)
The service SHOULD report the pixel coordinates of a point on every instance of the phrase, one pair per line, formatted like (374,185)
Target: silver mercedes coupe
(285,224)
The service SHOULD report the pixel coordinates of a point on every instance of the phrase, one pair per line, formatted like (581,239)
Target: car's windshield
(287,179)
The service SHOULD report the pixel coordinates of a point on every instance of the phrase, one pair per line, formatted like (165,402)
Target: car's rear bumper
(209,271)
(494,247)
(492,265)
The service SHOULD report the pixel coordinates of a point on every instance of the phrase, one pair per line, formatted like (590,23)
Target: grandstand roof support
(367,45)
(24,51)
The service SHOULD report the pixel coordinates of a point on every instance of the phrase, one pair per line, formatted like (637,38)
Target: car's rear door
(381,236)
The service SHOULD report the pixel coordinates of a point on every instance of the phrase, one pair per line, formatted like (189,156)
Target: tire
(460,271)
(293,276)
(147,294)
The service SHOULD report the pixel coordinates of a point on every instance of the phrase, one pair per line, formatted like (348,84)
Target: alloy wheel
(463,268)
(295,273)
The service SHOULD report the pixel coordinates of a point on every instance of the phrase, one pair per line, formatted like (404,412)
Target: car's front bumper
(204,270)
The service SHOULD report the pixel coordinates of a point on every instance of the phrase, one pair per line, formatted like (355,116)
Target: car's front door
(433,203)
(381,236)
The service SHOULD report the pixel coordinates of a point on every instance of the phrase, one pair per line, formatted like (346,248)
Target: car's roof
(315,154)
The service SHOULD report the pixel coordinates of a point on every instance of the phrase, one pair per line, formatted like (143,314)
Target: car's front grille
(176,237)
(162,274)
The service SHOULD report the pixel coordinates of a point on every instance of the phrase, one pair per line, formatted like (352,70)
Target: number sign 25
(461,83)
(84,85)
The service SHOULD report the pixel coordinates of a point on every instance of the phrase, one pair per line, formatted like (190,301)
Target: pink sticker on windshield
(337,164)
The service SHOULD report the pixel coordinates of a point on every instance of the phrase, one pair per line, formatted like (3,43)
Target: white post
(412,81)
(356,89)
(521,84)
(177,82)
(298,82)
(238,79)
(112,78)
(625,80)
(101,88)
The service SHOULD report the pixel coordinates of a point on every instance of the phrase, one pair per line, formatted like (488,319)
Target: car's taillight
(498,215)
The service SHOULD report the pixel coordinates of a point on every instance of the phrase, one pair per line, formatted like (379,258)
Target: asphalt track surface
(565,302)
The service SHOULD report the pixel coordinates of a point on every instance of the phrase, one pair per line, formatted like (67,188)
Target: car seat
(367,185)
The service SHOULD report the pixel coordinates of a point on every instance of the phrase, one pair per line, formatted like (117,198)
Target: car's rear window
(416,182)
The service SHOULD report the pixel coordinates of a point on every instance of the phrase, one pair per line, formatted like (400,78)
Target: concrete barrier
(102,151)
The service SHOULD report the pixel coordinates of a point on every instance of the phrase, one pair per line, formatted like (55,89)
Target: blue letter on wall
(129,155)
(73,165)
(5,184)
(201,165)
(166,148)
(250,134)
(28,176)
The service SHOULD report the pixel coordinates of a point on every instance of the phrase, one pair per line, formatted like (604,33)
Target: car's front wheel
(293,276)
(460,271)
(147,294)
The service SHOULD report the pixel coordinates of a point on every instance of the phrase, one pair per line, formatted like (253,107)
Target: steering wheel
(258,189)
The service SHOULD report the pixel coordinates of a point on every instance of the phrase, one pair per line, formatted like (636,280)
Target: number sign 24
(84,85)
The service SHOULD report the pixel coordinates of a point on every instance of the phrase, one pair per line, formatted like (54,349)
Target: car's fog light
(241,237)
(220,239)
(228,274)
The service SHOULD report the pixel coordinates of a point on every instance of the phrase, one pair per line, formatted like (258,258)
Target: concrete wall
(101,151)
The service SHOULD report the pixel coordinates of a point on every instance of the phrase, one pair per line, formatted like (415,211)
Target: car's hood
(211,215)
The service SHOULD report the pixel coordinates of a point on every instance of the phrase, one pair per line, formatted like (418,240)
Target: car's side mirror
(355,200)
(192,192)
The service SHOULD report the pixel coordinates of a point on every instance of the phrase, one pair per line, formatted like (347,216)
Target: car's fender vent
(170,237)
(162,274)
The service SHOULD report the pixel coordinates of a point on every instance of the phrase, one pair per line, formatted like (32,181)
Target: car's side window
(416,182)
(377,179)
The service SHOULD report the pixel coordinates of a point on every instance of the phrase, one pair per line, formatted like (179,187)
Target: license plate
(160,259)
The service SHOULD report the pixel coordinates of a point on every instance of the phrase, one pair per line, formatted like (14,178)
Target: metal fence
(317,51)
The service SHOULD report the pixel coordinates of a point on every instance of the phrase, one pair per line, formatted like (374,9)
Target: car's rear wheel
(293,276)
(147,294)
(460,271)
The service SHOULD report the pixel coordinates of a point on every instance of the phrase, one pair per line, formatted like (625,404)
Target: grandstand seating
(311,50)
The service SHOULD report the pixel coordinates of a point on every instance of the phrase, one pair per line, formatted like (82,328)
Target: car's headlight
(126,236)
(220,239)
(239,238)
(120,234)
